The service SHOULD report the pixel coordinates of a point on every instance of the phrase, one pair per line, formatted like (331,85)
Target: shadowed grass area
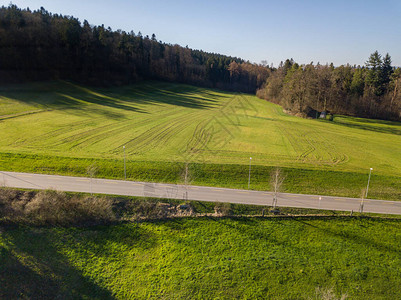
(205,258)
(368,124)
(62,128)
(33,268)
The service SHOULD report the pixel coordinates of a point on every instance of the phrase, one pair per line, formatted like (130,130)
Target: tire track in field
(161,133)
(205,131)
(22,114)
(309,144)
(199,139)
(82,136)
(296,146)
(29,141)
(325,145)
(154,136)
(335,156)
(100,133)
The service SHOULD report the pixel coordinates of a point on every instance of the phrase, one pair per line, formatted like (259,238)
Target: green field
(60,127)
(244,258)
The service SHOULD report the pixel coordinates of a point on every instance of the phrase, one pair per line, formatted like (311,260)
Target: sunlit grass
(205,259)
(62,128)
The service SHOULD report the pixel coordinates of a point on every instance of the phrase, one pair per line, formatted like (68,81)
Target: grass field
(207,258)
(60,127)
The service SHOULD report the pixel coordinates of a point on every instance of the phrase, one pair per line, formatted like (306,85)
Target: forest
(39,45)
(371,91)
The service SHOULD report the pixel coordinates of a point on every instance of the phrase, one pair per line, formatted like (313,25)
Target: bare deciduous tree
(276,180)
(91,170)
(186,178)
(363,193)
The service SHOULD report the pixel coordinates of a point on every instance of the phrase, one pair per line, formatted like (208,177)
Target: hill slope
(163,123)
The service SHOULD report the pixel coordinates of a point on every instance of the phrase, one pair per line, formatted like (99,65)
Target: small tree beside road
(186,178)
(276,180)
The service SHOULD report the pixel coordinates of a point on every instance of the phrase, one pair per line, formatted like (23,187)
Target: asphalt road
(200,193)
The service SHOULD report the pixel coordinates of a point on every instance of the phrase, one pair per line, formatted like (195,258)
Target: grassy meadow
(206,258)
(60,127)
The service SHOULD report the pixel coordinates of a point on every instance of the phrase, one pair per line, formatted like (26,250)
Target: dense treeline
(38,45)
(371,91)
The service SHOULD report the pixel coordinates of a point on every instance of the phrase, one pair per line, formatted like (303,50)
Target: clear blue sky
(320,31)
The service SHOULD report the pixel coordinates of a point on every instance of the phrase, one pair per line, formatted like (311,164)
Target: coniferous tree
(386,70)
(374,75)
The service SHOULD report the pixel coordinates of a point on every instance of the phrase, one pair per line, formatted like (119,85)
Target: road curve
(200,193)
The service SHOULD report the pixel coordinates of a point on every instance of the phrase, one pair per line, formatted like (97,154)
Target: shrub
(56,208)
(50,207)
(147,209)
(12,203)
(185,210)
(97,210)
(223,209)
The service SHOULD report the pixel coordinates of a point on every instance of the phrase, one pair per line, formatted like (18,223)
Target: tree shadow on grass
(33,268)
(179,99)
(250,227)
(348,235)
(110,240)
(391,127)
(67,95)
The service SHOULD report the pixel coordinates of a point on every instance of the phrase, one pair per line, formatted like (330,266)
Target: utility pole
(367,188)
(249,177)
(186,182)
(125,169)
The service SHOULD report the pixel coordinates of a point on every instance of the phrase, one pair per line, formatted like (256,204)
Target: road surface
(200,193)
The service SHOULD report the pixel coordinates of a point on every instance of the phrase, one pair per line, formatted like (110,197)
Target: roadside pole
(367,188)
(249,177)
(125,169)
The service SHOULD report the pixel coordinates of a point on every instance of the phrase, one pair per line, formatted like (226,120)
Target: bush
(223,209)
(60,209)
(49,207)
(154,209)
(147,209)
(185,210)
(54,208)
(98,209)
(12,203)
